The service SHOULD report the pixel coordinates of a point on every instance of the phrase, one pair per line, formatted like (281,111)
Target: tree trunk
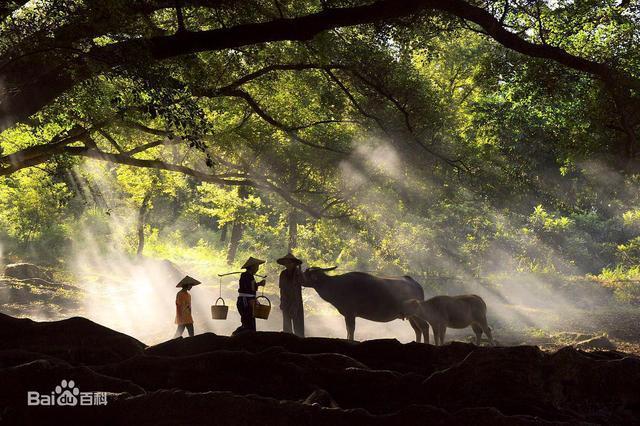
(293,214)
(142,213)
(223,233)
(624,105)
(234,242)
(236,230)
(293,230)
(180,16)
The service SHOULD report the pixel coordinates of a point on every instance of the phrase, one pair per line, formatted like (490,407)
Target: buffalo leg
(436,334)
(443,331)
(477,329)
(416,329)
(485,327)
(424,328)
(487,331)
(350,321)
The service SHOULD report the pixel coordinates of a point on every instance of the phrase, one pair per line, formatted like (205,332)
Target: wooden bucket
(219,311)
(261,310)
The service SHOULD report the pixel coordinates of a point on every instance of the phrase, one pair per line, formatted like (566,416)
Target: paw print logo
(67,393)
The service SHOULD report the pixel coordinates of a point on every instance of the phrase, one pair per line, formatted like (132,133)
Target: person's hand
(263,282)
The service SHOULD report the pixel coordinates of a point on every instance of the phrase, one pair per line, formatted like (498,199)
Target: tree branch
(141,127)
(127,160)
(276,67)
(50,76)
(253,104)
(201,176)
(111,140)
(39,154)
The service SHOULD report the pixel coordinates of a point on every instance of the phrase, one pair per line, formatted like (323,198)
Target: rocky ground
(275,378)
(583,370)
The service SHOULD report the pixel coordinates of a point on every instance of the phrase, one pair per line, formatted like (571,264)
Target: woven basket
(261,311)
(219,312)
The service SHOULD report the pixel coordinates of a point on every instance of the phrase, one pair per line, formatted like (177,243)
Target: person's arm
(180,304)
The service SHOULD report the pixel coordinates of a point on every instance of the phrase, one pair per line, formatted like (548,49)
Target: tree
(453,114)
(88,38)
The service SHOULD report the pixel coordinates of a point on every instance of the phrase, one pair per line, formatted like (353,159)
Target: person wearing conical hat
(291,295)
(247,294)
(183,306)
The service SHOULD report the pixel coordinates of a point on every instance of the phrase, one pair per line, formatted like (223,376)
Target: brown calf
(451,311)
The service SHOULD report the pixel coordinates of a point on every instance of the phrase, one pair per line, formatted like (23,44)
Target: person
(291,295)
(183,306)
(247,294)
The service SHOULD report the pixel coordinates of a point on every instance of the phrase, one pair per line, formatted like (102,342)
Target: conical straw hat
(188,281)
(289,258)
(252,261)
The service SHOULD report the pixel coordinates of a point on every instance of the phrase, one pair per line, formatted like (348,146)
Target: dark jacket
(291,291)
(248,283)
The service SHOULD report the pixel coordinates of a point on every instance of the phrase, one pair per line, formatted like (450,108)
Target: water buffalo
(357,294)
(451,311)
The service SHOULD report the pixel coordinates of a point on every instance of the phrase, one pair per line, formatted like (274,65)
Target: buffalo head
(314,274)
(411,308)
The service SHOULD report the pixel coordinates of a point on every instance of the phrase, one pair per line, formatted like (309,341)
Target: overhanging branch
(291,131)
(27,93)
(224,179)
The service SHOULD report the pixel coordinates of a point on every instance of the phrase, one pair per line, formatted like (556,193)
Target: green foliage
(33,213)
(629,253)
(542,221)
(225,206)
(426,148)
(631,220)
(625,282)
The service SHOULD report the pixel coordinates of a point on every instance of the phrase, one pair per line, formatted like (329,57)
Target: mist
(135,294)
(517,300)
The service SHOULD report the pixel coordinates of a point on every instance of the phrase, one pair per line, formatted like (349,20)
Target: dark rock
(236,371)
(377,354)
(13,357)
(510,379)
(589,386)
(276,378)
(604,355)
(571,337)
(563,386)
(378,391)
(174,407)
(44,375)
(272,373)
(600,342)
(39,297)
(76,340)
(24,271)
(322,398)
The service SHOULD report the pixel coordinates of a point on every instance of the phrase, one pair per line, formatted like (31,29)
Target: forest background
(489,147)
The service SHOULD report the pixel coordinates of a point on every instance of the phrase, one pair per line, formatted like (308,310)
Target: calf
(451,311)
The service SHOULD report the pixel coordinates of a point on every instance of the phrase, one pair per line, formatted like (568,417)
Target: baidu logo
(66,394)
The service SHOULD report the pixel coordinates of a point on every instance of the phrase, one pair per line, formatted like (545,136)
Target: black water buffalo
(358,294)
